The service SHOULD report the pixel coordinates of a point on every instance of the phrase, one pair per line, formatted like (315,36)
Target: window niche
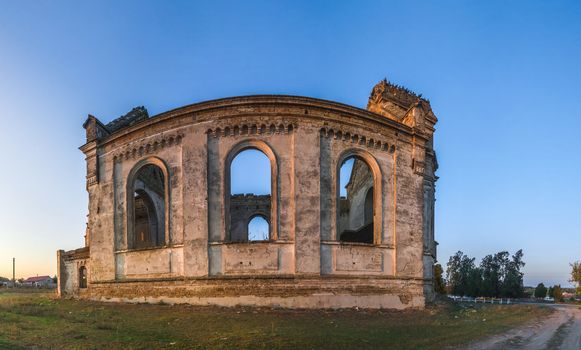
(82,277)
(356,204)
(250,202)
(147,207)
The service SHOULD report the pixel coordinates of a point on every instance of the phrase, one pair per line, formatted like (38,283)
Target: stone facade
(201,257)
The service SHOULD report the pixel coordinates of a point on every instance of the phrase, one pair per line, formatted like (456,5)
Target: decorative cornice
(234,106)
(252,129)
(359,139)
(147,146)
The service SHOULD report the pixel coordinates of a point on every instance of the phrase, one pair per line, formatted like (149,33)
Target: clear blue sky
(503,77)
(250,173)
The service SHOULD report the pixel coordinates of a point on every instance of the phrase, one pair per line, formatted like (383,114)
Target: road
(561,330)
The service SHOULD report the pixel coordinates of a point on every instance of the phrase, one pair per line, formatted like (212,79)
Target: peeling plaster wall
(146,263)
(273,291)
(69,265)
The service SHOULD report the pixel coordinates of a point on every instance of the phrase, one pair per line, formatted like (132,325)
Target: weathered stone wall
(303,264)
(282,291)
(69,265)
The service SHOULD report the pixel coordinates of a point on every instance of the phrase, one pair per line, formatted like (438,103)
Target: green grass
(42,321)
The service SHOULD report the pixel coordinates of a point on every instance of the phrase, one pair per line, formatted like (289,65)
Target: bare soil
(560,330)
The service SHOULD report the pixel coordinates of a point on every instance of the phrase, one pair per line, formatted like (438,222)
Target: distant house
(39,281)
(568,295)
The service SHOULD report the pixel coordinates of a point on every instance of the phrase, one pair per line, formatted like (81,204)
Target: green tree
(502,276)
(490,276)
(540,291)
(576,275)
(439,284)
(494,268)
(498,275)
(474,280)
(453,274)
(512,282)
(464,278)
(557,292)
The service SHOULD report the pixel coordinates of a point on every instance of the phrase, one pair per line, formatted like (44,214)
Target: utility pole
(13,272)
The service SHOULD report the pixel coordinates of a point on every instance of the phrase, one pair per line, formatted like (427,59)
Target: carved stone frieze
(357,138)
(251,128)
(148,146)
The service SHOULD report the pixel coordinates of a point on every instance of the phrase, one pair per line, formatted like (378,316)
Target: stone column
(307,200)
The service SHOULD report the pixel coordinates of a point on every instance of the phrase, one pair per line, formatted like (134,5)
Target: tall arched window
(250,202)
(82,277)
(147,209)
(356,201)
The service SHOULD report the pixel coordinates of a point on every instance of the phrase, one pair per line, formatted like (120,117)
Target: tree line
(498,275)
(555,292)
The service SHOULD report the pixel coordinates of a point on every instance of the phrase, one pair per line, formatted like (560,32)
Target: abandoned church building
(345,218)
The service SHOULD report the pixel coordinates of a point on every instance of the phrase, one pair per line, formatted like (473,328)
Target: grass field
(40,321)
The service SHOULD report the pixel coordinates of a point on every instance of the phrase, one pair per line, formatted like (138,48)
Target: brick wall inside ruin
(243,207)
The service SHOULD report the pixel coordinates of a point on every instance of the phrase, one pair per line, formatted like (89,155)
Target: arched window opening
(148,207)
(82,277)
(258,229)
(250,196)
(355,219)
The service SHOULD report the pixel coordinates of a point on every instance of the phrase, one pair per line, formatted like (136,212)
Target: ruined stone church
(348,219)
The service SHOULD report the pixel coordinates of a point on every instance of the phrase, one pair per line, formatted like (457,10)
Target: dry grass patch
(40,321)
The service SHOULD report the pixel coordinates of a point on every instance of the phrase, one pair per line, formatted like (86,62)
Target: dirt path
(562,330)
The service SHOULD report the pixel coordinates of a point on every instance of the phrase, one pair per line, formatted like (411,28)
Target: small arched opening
(82,277)
(258,229)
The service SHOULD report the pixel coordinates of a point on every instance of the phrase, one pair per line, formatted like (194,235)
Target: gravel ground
(561,330)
